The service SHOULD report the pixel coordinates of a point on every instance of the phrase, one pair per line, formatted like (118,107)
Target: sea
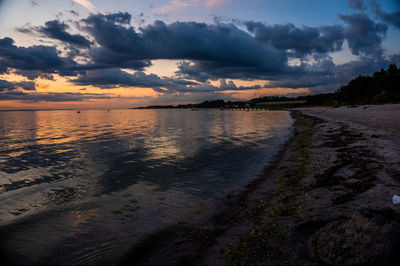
(79,188)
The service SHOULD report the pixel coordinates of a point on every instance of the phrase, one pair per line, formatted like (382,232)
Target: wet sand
(326,199)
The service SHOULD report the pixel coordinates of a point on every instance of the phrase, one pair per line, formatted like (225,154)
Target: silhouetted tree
(381,87)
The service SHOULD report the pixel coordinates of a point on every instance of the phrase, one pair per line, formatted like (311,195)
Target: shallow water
(78,188)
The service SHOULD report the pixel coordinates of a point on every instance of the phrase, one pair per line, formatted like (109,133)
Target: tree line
(380,88)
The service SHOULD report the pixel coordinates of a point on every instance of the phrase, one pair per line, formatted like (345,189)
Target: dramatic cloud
(11,86)
(51,96)
(58,30)
(41,58)
(206,88)
(320,73)
(203,70)
(325,76)
(364,35)
(3,69)
(111,78)
(392,19)
(206,53)
(365,66)
(305,40)
(231,86)
(118,42)
(215,45)
(190,71)
(33,74)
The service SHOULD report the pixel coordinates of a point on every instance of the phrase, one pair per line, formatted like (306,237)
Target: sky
(79,54)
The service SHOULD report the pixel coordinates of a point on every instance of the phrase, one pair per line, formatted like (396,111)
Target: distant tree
(211,104)
(392,69)
(381,87)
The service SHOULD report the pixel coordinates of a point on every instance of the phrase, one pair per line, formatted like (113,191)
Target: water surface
(78,188)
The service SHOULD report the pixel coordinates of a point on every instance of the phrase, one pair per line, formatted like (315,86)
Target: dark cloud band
(205,52)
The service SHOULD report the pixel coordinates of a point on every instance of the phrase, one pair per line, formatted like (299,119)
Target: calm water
(78,188)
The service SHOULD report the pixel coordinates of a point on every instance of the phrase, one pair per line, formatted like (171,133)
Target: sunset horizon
(91,54)
(199,132)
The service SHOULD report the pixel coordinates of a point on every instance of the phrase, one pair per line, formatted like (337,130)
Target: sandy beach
(326,199)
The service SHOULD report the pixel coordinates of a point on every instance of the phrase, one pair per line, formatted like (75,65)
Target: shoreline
(324,199)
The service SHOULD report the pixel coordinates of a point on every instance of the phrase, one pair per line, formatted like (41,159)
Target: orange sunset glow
(199,132)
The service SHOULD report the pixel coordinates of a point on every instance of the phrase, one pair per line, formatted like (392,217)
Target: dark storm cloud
(321,72)
(33,74)
(3,69)
(305,81)
(231,86)
(110,32)
(325,76)
(39,58)
(111,78)
(117,40)
(220,45)
(207,52)
(392,19)
(101,58)
(186,69)
(206,88)
(51,96)
(302,81)
(357,4)
(58,30)
(10,86)
(364,35)
(303,40)
(364,66)
(200,70)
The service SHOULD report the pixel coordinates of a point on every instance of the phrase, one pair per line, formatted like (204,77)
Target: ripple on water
(75,189)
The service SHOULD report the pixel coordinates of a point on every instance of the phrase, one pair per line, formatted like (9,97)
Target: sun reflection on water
(111,177)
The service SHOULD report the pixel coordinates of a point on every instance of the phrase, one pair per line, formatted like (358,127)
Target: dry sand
(327,199)
(380,122)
